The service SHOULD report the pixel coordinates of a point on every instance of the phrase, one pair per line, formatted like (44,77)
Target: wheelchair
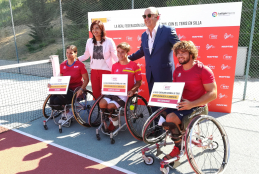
(136,112)
(80,106)
(204,141)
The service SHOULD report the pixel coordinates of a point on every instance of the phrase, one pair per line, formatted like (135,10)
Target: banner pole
(250,48)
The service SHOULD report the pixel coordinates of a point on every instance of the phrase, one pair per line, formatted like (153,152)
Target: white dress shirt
(151,40)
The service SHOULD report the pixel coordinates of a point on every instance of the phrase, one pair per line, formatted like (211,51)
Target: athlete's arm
(211,89)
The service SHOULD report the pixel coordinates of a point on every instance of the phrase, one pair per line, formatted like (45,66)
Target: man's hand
(79,92)
(130,93)
(184,105)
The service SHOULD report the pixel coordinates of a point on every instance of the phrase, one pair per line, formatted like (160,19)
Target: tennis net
(23,89)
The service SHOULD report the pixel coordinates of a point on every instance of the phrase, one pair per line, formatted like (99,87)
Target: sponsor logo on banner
(139,38)
(103,20)
(227,57)
(214,14)
(114,79)
(224,77)
(222,96)
(212,57)
(222,105)
(59,80)
(225,67)
(208,46)
(227,46)
(167,87)
(198,47)
(211,66)
(225,13)
(223,86)
(197,37)
(128,38)
(226,36)
(213,36)
(117,38)
(181,37)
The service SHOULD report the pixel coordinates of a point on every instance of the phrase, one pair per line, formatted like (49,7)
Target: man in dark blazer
(156,45)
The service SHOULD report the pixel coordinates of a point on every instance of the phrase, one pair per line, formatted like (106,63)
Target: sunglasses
(144,16)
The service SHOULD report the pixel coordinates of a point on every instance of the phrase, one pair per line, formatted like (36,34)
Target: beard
(185,61)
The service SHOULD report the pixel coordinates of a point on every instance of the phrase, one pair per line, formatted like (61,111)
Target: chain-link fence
(35,29)
(38,27)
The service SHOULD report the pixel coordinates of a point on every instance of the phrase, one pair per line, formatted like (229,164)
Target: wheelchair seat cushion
(56,107)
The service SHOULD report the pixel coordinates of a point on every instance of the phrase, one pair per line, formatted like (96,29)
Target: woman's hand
(49,85)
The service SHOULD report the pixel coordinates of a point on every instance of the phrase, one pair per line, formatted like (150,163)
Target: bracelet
(81,89)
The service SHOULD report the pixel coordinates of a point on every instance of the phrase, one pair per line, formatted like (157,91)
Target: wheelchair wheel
(94,118)
(207,145)
(46,109)
(152,133)
(81,107)
(136,113)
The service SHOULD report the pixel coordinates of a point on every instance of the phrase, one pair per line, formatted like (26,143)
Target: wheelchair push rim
(136,113)
(207,145)
(46,109)
(152,133)
(94,118)
(81,107)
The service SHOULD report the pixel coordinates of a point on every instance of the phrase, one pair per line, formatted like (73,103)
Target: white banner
(166,94)
(115,84)
(192,16)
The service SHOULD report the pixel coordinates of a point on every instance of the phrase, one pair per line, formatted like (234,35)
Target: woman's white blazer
(109,52)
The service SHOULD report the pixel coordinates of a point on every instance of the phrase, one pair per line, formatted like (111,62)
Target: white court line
(71,151)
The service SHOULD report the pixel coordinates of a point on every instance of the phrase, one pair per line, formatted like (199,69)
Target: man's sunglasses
(144,16)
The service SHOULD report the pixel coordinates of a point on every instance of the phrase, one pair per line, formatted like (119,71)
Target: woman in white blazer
(102,51)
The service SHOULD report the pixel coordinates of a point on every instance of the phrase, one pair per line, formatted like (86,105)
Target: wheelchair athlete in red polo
(200,88)
(123,66)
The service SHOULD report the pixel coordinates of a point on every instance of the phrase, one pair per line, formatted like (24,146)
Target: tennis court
(31,149)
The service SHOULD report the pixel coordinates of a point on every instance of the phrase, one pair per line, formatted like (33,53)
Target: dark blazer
(158,62)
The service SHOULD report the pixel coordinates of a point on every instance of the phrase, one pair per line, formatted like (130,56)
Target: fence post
(62,31)
(132,4)
(250,48)
(14,35)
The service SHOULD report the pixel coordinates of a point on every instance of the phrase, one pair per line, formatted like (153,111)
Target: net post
(55,65)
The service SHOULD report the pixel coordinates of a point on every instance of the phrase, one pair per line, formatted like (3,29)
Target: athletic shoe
(175,152)
(65,117)
(111,127)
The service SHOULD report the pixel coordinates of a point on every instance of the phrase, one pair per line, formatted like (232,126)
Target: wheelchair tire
(94,118)
(136,113)
(152,133)
(46,109)
(81,107)
(213,156)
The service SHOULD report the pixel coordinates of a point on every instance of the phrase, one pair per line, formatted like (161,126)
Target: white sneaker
(65,117)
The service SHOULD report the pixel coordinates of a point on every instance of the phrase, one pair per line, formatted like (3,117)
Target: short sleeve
(207,75)
(82,68)
(137,72)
